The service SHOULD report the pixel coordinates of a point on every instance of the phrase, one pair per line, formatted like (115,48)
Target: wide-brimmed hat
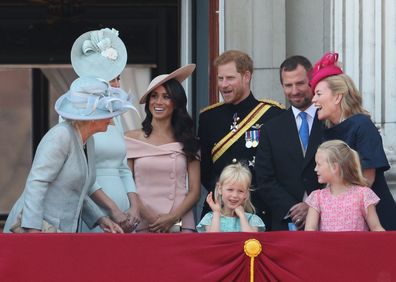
(325,67)
(180,75)
(91,98)
(99,53)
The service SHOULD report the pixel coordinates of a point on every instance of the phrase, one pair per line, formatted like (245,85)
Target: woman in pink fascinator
(340,106)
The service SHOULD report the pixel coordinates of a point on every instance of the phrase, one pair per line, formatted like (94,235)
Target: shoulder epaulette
(273,103)
(211,107)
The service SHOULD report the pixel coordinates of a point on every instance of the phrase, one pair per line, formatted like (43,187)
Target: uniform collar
(245,105)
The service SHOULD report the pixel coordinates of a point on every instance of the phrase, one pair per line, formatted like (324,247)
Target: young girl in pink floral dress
(346,204)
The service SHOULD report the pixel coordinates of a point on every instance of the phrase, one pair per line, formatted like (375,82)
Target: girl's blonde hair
(339,152)
(235,173)
(351,102)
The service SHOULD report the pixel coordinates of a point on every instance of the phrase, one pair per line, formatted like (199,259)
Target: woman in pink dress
(164,157)
(346,204)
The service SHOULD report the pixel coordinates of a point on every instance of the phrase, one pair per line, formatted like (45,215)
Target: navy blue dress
(360,133)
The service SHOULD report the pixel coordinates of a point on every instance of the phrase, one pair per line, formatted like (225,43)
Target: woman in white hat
(62,171)
(164,155)
(101,53)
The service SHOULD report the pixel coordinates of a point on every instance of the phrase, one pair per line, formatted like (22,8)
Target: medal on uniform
(255,138)
(248,139)
(252,162)
(257,126)
(234,126)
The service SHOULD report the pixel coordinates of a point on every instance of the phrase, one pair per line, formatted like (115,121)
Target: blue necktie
(304,130)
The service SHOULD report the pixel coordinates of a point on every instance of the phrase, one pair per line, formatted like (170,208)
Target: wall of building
(307,28)
(271,30)
(257,27)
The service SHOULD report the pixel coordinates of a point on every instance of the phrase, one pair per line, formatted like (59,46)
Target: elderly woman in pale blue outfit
(63,170)
(102,54)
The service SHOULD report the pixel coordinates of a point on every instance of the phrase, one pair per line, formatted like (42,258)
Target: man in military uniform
(230,131)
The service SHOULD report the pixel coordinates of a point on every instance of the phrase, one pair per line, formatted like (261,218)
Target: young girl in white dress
(232,210)
(346,204)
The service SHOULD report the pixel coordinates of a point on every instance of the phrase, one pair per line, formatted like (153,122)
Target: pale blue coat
(58,182)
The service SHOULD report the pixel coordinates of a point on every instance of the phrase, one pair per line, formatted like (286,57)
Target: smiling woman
(163,154)
(340,106)
(160,103)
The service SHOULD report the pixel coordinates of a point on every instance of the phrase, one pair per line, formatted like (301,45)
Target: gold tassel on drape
(252,249)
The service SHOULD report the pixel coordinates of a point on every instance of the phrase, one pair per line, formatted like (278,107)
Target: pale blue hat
(99,53)
(91,98)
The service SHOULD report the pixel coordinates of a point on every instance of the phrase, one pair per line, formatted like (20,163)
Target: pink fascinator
(325,67)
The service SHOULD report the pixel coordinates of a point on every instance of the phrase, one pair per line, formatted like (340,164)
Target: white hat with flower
(99,53)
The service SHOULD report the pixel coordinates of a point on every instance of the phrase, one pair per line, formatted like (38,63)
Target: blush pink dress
(160,174)
(344,212)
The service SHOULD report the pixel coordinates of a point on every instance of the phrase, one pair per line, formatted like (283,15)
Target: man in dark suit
(230,131)
(285,159)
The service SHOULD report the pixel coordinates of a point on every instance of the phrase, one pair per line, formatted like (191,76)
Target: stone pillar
(363,32)
(257,27)
(388,104)
(186,45)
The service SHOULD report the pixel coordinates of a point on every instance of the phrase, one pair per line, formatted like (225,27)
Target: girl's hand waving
(215,206)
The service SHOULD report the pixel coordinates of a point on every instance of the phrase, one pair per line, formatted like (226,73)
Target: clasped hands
(128,221)
(163,223)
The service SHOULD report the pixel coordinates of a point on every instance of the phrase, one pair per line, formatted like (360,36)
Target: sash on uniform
(227,141)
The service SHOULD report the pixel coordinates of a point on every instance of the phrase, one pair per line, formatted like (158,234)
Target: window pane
(15,137)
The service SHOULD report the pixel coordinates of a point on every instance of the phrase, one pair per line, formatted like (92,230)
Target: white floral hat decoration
(91,98)
(99,53)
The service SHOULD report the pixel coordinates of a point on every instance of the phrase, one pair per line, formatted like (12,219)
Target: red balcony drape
(285,256)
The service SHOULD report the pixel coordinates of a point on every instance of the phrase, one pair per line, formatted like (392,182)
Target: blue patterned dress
(231,223)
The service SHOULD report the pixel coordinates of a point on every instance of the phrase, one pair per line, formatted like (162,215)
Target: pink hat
(325,67)
(180,75)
